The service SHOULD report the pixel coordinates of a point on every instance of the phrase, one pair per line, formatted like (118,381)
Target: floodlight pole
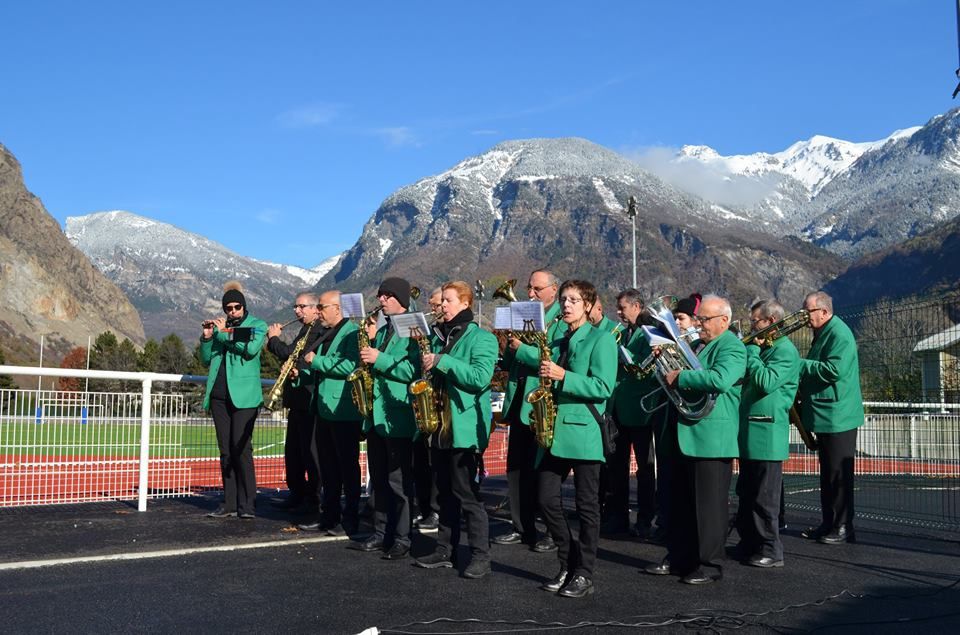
(632,213)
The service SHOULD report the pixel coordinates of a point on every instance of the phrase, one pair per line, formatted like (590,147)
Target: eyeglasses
(707,318)
(819,308)
(538,289)
(386,295)
(566,300)
(324,306)
(233,307)
(303,306)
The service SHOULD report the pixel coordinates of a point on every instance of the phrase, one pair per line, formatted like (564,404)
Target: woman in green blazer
(462,367)
(234,396)
(582,371)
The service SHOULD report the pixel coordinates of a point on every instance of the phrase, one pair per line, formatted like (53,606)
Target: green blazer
(724,363)
(524,363)
(243,364)
(331,396)
(466,370)
(590,377)
(609,326)
(630,390)
(396,367)
(773,375)
(830,381)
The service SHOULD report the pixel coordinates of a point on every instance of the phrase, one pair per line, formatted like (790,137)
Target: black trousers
(578,555)
(699,513)
(522,480)
(300,457)
(338,444)
(455,473)
(234,428)
(837,451)
(617,505)
(391,472)
(427,494)
(758,489)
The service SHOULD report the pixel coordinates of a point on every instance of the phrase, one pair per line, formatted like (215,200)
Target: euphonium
(361,381)
(544,414)
(676,355)
(275,398)
(425,407)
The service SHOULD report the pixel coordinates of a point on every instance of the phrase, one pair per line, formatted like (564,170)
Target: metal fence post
(145,412)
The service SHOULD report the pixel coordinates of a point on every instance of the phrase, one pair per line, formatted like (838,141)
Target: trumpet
(790,323)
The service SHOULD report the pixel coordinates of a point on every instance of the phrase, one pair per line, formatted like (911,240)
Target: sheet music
(625,356)
(410,325)
(351,305)
(656,337)
(501,318)
(526,316)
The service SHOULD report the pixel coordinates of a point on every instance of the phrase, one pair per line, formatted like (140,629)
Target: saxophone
(361,381)
(425,400)
(275,398)
(544,414)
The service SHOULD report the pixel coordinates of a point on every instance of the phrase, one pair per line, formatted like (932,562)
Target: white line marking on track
(113,557)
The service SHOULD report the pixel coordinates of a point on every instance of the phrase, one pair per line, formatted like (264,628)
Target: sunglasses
(233,307)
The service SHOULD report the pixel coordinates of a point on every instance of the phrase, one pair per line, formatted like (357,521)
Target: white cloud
(711,181)
(398,136)
(312,116)
(269,216)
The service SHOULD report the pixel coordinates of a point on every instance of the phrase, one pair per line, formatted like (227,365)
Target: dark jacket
(300,396)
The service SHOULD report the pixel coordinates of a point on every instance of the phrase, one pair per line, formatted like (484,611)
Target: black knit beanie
(689,306)
(398,288)
(231,296)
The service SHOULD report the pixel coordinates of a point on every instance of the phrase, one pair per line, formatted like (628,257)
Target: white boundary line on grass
(114,557)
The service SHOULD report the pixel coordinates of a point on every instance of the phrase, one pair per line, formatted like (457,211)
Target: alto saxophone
(361,381)
(275,398)
(544,414)
(425,404)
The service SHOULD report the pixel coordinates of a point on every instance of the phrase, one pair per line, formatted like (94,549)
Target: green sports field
(121,439)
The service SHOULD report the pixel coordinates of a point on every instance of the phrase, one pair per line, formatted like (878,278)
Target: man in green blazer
(234,396)
(522,361)
(832,407)
(701,469)
(635,429)
(773,371)
(338,421)
(394,363)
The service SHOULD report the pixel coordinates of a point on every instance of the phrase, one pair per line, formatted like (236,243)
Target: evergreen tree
(6,381)
(148,357)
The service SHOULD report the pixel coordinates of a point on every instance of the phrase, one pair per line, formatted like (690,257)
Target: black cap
(690,305)
(233,295)
(398,288)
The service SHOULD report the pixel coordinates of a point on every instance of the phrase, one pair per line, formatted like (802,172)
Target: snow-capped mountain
(561,203)
(175,277)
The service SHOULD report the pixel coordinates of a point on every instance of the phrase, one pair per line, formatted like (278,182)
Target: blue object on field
(83,415)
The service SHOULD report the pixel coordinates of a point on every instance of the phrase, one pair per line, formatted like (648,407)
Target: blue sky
(277,128)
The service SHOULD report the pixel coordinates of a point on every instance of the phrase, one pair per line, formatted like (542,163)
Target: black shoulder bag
(608,429)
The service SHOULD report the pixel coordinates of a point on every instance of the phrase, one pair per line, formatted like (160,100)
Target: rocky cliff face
(560,204)
(47,286)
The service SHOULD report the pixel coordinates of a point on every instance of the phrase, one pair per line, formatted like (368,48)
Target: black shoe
(428,522)
(335,530)
(764,562)
(814,533)
(350,527)
(246,516)
(545,545)
(664,568)
(838,536)
(436,560)
(578,587)
(220,512)
(557,582)
(371,544)
(396,552)
(699,577)
(513,538)
(479,566)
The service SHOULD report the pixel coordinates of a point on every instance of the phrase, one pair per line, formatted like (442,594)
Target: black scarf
(451,331)
(233,321)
